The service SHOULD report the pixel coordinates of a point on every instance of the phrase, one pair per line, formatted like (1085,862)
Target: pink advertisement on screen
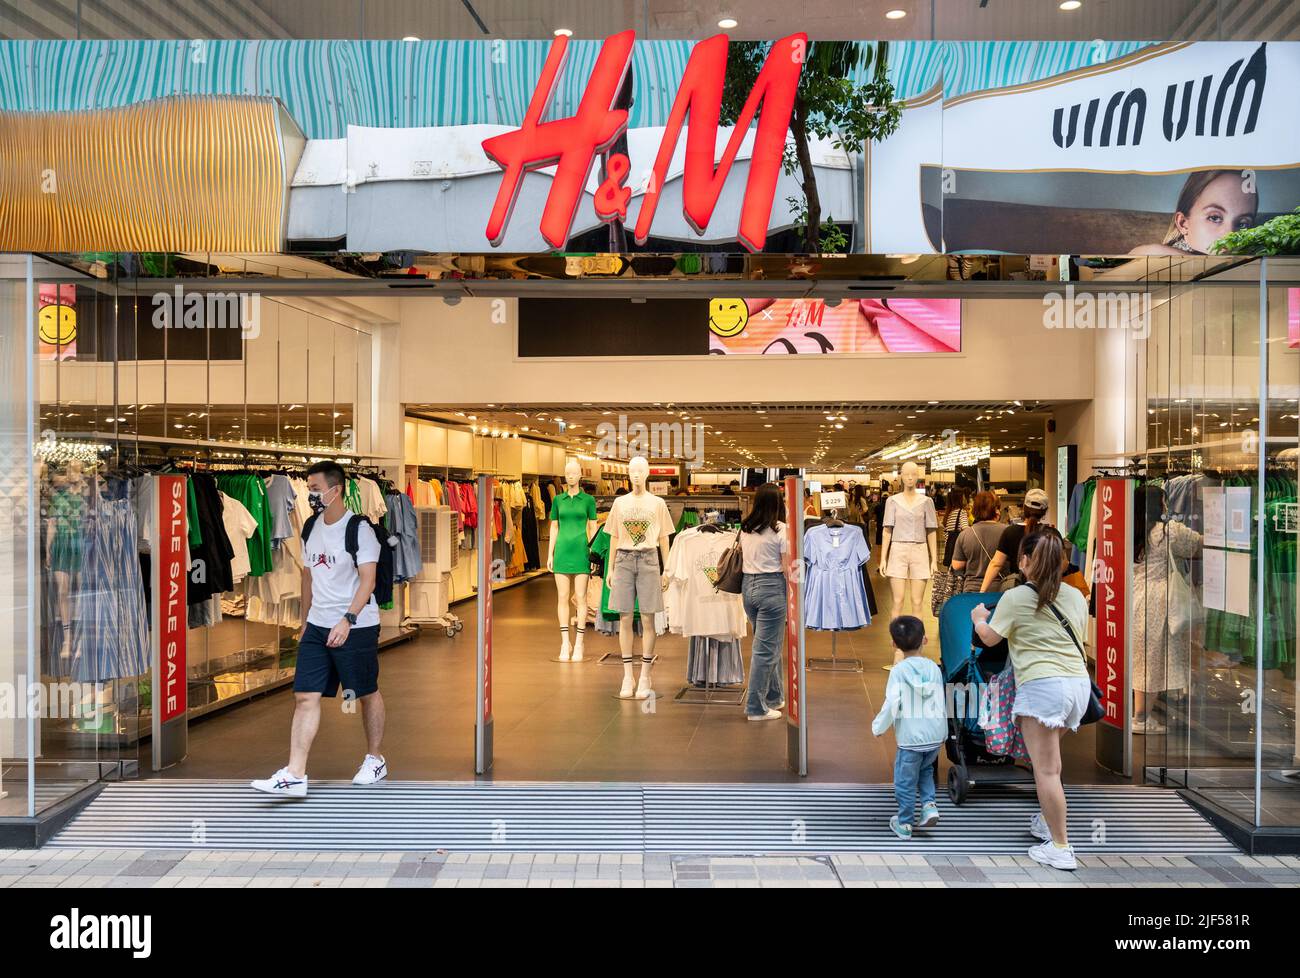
(811,327)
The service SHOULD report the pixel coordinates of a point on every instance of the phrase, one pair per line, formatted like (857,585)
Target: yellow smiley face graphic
(727,317)
(57,324)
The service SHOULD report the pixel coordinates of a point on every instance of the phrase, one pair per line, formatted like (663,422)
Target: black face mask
(317,502)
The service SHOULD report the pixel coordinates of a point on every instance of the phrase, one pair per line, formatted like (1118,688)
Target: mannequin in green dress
(573,523)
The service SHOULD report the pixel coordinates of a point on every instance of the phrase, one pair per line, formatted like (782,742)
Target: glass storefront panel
(125,392)
(1214,629)
(17,584)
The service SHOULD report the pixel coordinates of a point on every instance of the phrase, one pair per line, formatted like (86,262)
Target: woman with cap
(1035,507)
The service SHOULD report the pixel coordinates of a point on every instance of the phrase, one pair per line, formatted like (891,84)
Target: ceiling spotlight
(410,39)
(895,14)
(1071,4)
(563,32)
(727,23)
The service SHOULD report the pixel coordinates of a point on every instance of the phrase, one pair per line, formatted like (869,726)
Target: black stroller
(967,668)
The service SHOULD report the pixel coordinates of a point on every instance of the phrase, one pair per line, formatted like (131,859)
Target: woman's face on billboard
(1224,205)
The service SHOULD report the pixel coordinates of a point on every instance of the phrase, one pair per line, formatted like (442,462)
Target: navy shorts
(354,665)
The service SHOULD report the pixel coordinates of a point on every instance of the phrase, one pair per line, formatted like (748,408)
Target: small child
(915,706)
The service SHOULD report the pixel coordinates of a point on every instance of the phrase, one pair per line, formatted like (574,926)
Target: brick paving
(415,870)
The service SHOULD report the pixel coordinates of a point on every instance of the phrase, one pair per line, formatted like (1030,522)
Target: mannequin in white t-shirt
(905,574)
(638,472)
(570,585)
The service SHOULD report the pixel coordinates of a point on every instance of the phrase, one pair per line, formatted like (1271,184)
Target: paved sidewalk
(180,868)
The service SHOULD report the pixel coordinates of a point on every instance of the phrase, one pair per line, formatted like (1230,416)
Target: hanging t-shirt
(641,521)
(334,578)
(704,610)
(240,527)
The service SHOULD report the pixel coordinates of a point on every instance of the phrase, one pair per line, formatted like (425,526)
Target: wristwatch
(352,619)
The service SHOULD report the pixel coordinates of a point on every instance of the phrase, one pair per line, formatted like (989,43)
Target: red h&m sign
(572,144)
(172,557)
(1110,581)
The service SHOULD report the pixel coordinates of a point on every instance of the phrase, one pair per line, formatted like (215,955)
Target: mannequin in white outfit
(638,472)
(907,581)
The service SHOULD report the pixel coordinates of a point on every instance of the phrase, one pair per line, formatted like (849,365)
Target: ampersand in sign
(611,196)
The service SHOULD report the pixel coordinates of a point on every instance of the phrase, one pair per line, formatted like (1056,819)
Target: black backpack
(383,569)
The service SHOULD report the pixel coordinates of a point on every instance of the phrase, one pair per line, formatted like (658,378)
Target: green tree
(829,104)
(1278,236)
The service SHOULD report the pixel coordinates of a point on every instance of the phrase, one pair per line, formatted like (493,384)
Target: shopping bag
(1001,734)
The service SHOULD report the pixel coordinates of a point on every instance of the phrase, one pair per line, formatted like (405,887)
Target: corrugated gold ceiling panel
(173,174)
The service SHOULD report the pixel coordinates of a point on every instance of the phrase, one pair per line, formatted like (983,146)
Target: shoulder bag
(731,569)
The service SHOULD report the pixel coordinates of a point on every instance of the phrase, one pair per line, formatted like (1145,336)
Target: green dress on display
(67,510)
(569,518)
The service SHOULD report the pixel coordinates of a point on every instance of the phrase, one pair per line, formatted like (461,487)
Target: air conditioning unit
(438,528)
(429,592)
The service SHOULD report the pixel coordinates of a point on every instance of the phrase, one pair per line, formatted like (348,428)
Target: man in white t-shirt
(339,644)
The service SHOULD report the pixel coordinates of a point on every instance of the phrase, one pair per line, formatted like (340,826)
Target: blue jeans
(913,770)
(764,597)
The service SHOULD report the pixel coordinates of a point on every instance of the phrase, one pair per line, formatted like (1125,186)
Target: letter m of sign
(572,144)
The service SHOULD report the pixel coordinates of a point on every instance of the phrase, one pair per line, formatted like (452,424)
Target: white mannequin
(909,498)
(570,584)
(638,471)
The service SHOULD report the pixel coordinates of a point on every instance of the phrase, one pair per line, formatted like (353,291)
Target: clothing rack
(711,693)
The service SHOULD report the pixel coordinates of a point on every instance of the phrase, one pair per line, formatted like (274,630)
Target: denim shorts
(354,664)
(634,584)
(1057,701)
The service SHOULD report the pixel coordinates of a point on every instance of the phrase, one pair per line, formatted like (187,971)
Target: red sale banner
(1111,585)
(485,556)
(172,558)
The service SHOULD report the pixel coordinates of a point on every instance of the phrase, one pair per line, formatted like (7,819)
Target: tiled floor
(563,722)
(169,868)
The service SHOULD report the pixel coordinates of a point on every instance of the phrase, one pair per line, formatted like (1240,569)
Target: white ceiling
(830,19)
(767,434)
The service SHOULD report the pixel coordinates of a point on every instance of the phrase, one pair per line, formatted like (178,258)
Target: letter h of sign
(573,143)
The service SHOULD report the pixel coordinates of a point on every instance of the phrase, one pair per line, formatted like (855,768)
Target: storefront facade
(384,271)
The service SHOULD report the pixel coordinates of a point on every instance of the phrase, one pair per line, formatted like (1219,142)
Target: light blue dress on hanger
(835,595)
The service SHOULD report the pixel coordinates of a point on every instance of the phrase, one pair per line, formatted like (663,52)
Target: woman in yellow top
(1043,624)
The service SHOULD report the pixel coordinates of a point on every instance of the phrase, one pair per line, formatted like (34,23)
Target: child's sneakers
(900,829)
(929,814)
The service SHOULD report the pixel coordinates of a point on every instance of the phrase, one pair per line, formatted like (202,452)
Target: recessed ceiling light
(563,32)
(896,14)
(1071,4)
(410,39)
(727,23)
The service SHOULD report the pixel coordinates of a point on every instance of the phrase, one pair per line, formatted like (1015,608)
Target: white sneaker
(372,770)
(644,690)
(282,783)
(1038,828)
(769,715)
(1050,854)
(628,689)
